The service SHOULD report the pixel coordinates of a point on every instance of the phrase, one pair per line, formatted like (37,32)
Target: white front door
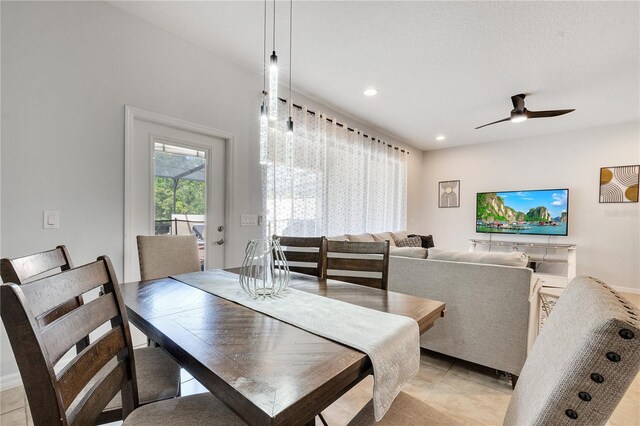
(174,184)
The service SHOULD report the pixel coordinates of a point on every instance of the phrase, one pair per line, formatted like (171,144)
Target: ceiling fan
(519,113)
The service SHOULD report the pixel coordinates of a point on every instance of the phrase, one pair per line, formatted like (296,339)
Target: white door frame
(134,113)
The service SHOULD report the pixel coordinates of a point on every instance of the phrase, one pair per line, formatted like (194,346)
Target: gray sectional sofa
(487,305)
(487,319)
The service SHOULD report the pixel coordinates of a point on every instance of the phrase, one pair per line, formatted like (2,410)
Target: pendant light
(290,120)
(264,133)
(273,74)
(264,110)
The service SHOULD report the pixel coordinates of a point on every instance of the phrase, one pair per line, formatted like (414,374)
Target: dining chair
(163,255)
(358,263)
(304,254)
(582,363)
(78,392)
(159,374)
(21,269)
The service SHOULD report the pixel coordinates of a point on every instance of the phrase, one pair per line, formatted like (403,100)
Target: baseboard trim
(10,381)
(630,290)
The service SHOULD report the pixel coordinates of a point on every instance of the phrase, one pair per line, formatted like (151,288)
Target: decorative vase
(264,271)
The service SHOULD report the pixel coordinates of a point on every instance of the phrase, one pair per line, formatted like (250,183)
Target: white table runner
(392,342)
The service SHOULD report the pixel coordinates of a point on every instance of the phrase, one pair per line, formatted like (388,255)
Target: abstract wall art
(449,191)
(619,184)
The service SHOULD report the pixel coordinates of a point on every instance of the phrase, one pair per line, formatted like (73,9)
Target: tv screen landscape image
(537,212)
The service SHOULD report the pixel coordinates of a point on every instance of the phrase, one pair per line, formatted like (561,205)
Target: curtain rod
(344,126)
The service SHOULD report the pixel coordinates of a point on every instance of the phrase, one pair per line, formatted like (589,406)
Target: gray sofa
(487,306)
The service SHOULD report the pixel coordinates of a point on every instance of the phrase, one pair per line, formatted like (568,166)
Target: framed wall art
(619,184)
(449,194)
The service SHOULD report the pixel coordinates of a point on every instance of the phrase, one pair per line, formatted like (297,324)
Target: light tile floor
(469,393)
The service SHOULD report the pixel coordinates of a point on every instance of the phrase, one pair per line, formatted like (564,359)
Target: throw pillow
(409,242)
(427,240)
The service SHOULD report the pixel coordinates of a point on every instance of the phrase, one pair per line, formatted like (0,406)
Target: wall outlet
(248,220)
(51,220)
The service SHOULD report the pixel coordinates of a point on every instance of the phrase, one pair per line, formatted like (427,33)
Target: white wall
(68,69)
(607,235)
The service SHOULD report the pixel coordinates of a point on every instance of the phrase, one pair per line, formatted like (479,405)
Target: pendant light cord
(264,51)
(274,25)
(290,50)
(275,142)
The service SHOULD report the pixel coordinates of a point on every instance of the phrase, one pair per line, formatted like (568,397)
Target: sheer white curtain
(329,180)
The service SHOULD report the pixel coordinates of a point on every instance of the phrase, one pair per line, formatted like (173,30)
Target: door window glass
(180,192)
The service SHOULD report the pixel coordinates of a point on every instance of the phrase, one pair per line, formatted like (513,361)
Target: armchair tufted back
(583,361)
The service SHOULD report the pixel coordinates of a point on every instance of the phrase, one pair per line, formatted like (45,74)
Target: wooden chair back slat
(55,290)
(37,351)
(297,249)
(20,269)
(356,247)
(89,409)
(300,241)
(75,376)
(345,256)
(59,311)
(62,334)
(300,256)
(348,264)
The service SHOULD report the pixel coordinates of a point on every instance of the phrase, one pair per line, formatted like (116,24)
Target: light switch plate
(51,220)
(248,220)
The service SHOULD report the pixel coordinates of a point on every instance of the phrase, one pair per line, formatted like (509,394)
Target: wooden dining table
(267,371)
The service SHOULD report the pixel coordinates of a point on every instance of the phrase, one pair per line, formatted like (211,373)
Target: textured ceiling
(439,67)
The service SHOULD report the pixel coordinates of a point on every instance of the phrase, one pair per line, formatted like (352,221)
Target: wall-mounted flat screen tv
(537,212)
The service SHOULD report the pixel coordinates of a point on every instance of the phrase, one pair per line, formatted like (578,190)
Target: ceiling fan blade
(518,101)
(551,113)
(499,121)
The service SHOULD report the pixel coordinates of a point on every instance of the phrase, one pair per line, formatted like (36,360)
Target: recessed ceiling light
(370,92)
(440,137)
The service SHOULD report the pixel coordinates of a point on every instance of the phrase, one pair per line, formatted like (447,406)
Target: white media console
(553,264)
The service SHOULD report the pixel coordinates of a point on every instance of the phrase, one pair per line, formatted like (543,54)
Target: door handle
(220,241)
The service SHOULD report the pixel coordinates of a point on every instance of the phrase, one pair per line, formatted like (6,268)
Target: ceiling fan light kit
(518,116)
(519,113)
